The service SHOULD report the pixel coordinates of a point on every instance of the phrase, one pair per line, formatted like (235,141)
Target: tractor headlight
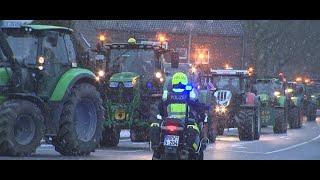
(101,73)
(41,60)
(40,68)
(289,90)
(277,94)
(217,109)
(161,80)
(158,75)
(113,84)
(220,109)
(128,84)
(193,69)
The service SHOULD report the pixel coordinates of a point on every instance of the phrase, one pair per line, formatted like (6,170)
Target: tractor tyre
(21,128)
(80,127)
(110,137)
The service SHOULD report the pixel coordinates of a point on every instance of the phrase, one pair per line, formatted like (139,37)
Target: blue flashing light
(188,88)
(177,90)
(149,85)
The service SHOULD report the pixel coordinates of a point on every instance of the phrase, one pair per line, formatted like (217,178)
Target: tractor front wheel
(21,128)
(80,128)
(249,125)
(110,137)
(311,112)
(295,117)
(280,124)
(139,134)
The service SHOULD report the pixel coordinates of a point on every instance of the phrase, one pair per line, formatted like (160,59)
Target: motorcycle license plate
(171,140)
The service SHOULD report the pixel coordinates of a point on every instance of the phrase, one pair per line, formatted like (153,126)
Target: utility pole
(189,46)
(190,25)
(243,51)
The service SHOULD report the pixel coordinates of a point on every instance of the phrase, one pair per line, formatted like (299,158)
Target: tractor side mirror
(174,60)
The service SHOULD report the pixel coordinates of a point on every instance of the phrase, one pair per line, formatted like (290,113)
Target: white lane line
(46,145)
(284,137)
(134,151)
(293,146)
(124,140)
(241,147)
(139,143)
(247,152)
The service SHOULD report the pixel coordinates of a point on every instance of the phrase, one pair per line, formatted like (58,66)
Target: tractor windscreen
(313,89)
(263,88)
(24,46)
(133,60)
(227,82)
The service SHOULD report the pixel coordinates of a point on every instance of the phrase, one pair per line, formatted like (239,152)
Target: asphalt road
(297,144)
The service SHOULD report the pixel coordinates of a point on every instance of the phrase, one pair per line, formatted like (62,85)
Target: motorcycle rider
(172,108)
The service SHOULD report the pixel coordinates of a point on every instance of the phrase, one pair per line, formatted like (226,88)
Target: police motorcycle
(178,136)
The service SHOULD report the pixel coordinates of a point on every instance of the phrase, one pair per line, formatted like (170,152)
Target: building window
(183,53)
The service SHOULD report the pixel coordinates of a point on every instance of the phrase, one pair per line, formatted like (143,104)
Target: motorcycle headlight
(128,84)
(113,84)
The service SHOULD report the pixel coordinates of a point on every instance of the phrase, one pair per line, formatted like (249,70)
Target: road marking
(241,147)
(247,152)
(284,137)
(243,143)
(46,145)
(133,151)
(140,143)
(125,140)
(293,146)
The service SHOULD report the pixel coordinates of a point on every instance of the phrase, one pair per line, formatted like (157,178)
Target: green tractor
(43,94)
(312,100)
(295,92)
(234,104)
(274,105)
(133,86)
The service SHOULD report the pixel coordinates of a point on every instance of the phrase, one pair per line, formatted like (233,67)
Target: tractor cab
(237,81)
(39,53)
(145,59)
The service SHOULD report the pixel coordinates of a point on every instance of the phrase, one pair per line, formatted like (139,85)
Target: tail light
(171,128)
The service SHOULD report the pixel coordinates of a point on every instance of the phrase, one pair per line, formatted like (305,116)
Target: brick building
(222,38)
